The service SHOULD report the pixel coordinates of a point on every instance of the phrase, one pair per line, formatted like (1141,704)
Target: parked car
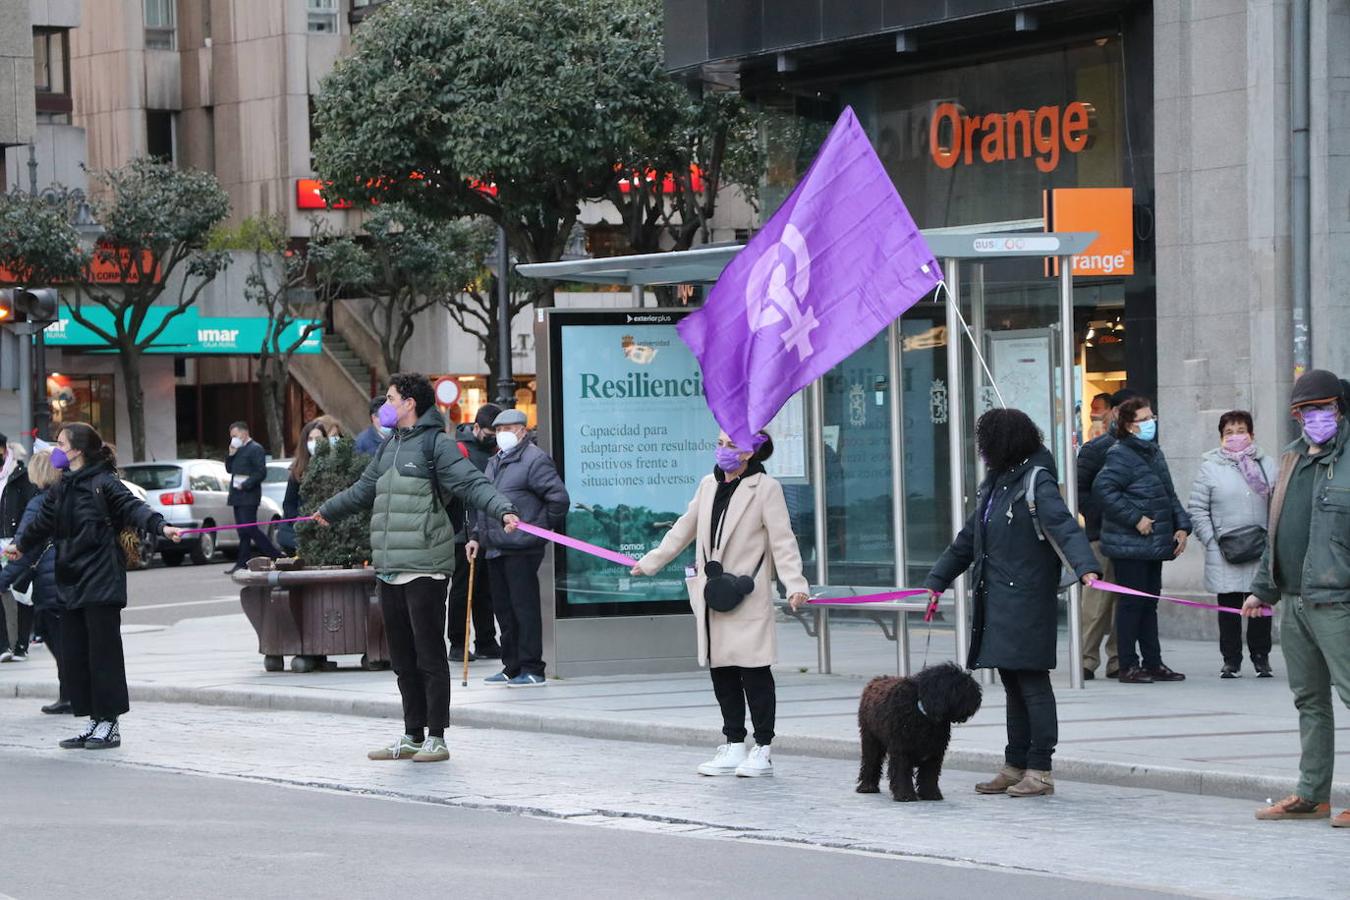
(193,493)
(274,485)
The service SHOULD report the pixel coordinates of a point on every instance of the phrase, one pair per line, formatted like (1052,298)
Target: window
(323,16)
(51,72)
(159,25)
(154,478)
(159,135)
(82,398)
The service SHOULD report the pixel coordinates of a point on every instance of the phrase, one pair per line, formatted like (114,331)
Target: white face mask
(332,440)
(311,444)
(507,441)
(236,443)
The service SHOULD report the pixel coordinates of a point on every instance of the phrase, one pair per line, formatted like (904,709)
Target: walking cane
(468,614)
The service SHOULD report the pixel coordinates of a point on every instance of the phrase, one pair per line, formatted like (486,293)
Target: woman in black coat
(39,568)
(310,435)
(1016,577)
(1143,525)
(82,516)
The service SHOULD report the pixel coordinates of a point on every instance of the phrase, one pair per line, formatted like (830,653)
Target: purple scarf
(1251,469)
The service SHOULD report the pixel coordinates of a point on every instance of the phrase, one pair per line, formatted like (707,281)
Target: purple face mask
(1319,425)
(59,459)
(729,459)
(388,415)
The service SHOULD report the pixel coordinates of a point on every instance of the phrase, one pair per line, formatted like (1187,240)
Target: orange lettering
(1044,134)
(1075,127)
(991,148)
(1047,142)
(1020,117)
(945,152)
(972,125)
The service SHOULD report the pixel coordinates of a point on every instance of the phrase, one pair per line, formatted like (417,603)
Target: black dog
(911,719)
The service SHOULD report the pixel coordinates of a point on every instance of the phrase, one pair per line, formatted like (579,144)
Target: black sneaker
(78,742)
(1089,675)
(1229,671)
(457,653)
(105,737)
(59,708)
(1262,667)
(19,654)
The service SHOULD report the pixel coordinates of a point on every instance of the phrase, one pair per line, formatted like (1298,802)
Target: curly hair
(416,386)
(1128,410)
(1005,438)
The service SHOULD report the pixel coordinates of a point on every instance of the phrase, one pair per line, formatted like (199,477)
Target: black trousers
(94,672)
(48,624)
(1033,720)
(515,599)
(414,620)
(252,539)
(23,624)
(734,687)
(1230,633)
(484,627)
(1137,618)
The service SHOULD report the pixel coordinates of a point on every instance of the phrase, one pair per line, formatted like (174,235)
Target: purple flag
(840,261)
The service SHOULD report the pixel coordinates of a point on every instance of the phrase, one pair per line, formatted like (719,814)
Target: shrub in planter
(345,543)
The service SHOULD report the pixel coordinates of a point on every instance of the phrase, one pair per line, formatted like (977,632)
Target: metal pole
(1300,221)
(1070,476)
(815,397)
(956,448)
(32,169)
(506,384)
(637,295)
(977,332)
(25,386)
(894,376)
(42,410)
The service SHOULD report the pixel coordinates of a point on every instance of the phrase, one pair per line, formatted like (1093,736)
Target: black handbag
(723,591)
(1243,545)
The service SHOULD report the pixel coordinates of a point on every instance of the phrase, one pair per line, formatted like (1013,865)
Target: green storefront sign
(187,334)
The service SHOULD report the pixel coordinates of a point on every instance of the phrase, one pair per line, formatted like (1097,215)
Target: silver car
(274,485)
(193,493)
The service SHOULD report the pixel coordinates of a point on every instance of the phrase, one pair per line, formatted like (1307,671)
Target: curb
(1255,788)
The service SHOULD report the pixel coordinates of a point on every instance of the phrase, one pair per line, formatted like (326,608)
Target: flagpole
(956,447)
(1066,361)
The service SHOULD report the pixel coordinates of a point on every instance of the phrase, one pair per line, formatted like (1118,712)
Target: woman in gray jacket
(1231,492)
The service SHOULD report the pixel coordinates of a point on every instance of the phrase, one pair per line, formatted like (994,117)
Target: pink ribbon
(872,598)
(1131,592)
(599,552)
(244,525)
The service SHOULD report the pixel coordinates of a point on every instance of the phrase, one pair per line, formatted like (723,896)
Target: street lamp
(506,382)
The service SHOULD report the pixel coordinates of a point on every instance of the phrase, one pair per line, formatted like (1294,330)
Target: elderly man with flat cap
(529,479)
(1306,569)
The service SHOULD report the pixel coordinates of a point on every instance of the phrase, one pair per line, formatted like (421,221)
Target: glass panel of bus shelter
(924,420)
(858,468)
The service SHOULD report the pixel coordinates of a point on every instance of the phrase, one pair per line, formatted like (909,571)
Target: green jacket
(1326,568)
(409,528)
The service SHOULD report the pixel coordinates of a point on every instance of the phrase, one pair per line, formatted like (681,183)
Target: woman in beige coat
(738,517)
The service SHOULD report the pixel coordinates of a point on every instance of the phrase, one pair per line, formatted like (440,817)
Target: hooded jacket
(410,531)
(1135,482)
(1016,575)
(81,515)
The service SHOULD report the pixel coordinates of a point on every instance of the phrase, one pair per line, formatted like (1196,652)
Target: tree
(156,220)
(292,284)
(347,541)
(414,263)
(517,110)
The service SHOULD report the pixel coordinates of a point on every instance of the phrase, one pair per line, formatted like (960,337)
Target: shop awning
(704,264)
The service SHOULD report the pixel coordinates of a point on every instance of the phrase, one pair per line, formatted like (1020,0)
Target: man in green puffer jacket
(412,542)
(1306,569)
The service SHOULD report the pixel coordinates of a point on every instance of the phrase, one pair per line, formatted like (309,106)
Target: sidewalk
(1204,736)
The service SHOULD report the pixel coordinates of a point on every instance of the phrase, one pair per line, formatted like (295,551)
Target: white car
(274,484)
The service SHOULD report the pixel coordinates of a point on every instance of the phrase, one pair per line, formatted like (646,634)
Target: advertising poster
(633,437)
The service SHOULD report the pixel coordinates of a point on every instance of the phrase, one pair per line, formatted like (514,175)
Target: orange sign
(1107,211)
(309,195)
(106,267)
(998,137)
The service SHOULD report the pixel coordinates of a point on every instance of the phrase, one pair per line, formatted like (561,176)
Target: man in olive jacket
(1306,568)
(413,552)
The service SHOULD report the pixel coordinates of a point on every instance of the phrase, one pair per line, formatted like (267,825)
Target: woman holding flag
(738,522)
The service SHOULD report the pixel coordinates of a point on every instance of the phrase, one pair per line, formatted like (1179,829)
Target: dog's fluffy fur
(891,722)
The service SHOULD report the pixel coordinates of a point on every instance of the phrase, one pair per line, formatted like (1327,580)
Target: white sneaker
(757,765)
(728,757)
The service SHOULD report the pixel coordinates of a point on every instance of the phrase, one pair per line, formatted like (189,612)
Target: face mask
(1319,425)
(1148,430)
(59,459)
(507,441)
(1236,443)
(488,440)
(236,443)
(382,431)
(312,445)
(333,440)
(388,415)
(729,459)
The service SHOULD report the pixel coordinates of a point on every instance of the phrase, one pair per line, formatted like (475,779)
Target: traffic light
(39,305)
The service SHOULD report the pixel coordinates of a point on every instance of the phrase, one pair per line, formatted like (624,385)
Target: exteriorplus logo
(954,137)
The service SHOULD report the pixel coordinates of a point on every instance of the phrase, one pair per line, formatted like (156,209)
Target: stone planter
(312,614)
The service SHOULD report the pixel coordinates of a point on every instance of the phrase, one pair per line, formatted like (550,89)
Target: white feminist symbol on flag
(769,297)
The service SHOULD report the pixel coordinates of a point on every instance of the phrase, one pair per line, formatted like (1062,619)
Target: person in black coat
(1143,525)
(247,465)
(1016,576)
(310,435)
(477,440)
(82,516)
(39,569)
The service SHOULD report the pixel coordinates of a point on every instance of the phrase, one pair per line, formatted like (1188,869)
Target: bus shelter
(877,459)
